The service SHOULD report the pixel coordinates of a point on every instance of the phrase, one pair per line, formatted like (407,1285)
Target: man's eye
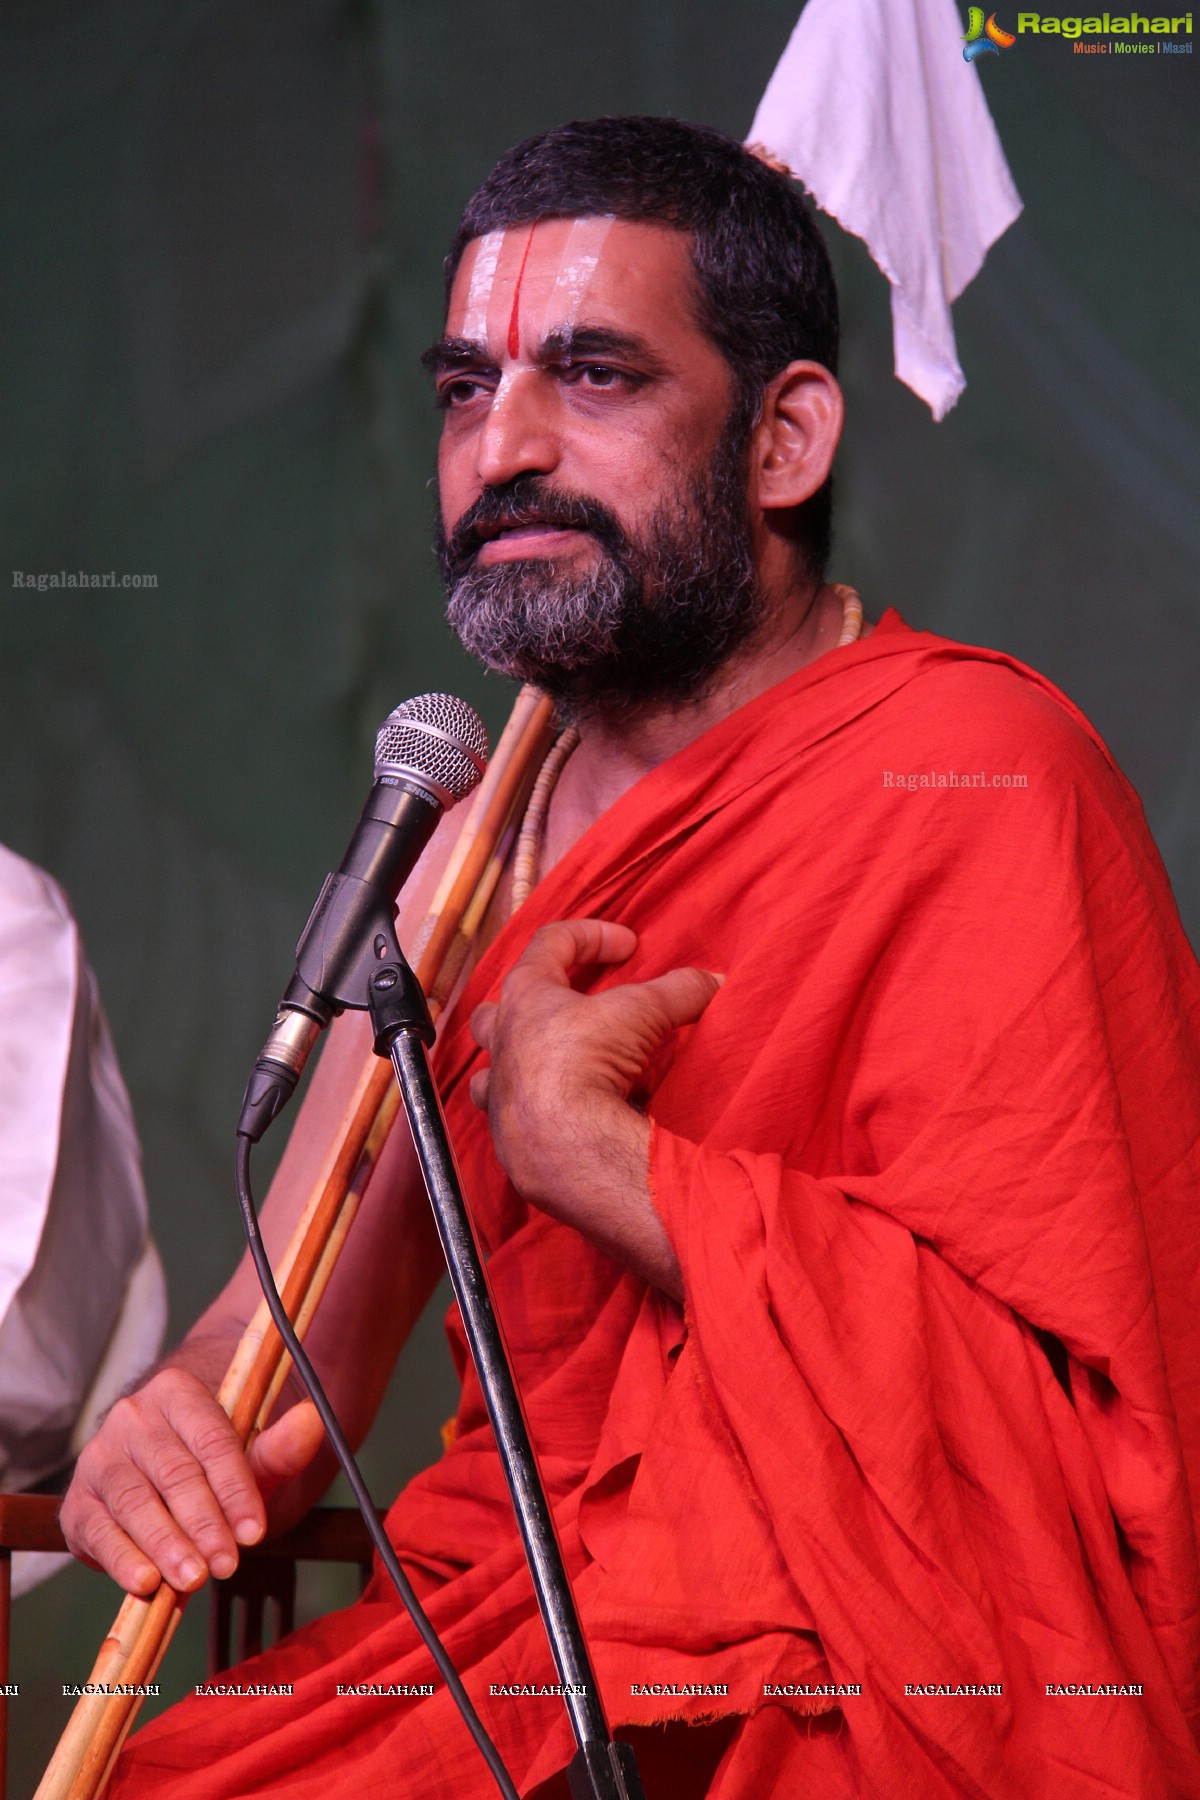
(595,375)
(458,391)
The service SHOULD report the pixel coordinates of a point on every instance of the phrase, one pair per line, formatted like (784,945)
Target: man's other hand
(556,1093)
(164,1489)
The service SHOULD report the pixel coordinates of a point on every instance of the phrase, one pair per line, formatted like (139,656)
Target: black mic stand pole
(601,1769)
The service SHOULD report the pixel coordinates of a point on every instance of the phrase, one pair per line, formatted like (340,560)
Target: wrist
(596,1143)
(598,1180)
(203,1354)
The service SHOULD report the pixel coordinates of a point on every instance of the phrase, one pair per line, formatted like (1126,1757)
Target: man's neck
(614,753)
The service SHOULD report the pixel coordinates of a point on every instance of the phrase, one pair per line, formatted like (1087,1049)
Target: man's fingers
(119,1556)
(184,1556)
(224,1472)
(483,1023)
(164,1480)
(479,1088)
(186,1483)
(681,994)
(185,1491)
(126,1528)
(286,1447)
(555,950)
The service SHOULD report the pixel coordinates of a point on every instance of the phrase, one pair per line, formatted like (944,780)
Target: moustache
(529,500)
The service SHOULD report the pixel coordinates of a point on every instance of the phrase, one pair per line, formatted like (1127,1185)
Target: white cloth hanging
(876,111)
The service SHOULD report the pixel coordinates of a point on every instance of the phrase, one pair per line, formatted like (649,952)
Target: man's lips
(513,541)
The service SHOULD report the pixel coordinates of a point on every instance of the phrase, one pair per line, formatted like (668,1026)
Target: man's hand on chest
(562,1066)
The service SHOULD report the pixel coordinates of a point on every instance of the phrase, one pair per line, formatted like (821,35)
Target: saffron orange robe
(928,1417)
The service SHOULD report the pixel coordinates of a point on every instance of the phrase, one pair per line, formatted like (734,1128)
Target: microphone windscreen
(436,741)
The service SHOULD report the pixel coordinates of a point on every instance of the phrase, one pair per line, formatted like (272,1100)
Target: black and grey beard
(654,621)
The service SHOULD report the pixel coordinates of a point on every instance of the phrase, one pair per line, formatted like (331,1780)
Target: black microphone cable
(429,754)
(345,1456)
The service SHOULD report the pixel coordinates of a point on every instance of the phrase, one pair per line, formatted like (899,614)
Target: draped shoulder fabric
(903,1500)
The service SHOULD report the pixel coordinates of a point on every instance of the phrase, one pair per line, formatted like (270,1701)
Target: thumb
(682,994)
(286,1447)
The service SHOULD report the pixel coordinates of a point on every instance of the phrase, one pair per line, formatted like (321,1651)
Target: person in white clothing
(82,1295)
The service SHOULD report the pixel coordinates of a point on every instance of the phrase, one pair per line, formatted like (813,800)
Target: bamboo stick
(162,1616)
(88,1714)
(133,1650)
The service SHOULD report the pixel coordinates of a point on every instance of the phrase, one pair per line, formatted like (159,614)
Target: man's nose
(519,435)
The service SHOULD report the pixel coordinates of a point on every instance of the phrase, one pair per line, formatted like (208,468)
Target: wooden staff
(134,1648)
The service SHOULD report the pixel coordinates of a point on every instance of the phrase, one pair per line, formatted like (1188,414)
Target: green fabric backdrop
(223,223)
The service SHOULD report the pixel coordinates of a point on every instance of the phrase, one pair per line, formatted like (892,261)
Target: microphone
(429,754)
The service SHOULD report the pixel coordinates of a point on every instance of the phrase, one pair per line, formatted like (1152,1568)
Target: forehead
(530,280)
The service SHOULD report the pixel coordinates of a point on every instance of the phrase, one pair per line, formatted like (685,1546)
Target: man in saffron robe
(829,1114)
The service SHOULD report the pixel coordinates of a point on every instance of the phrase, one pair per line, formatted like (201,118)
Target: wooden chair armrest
(30,1522)
(326,1534)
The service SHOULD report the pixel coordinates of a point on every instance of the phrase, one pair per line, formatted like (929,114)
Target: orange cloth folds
(929,1164)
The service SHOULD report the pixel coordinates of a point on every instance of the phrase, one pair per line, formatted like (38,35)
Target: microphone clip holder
(396,1002)
(350,932)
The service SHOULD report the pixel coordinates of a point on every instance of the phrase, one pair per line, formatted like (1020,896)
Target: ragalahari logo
(984,39)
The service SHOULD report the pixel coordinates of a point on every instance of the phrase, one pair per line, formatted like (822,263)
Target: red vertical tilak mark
(514,323)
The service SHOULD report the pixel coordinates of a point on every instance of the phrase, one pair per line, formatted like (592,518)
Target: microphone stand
(601,1769)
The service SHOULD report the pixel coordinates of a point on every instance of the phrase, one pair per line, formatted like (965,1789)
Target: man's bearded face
(654,619)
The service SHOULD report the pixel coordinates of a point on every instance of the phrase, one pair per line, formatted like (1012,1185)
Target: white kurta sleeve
(82,1301)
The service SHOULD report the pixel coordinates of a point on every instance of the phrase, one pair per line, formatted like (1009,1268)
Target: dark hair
(764,288)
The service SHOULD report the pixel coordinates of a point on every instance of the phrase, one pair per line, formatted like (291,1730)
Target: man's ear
(798,428)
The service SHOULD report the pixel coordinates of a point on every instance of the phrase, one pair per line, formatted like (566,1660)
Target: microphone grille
(436,741)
